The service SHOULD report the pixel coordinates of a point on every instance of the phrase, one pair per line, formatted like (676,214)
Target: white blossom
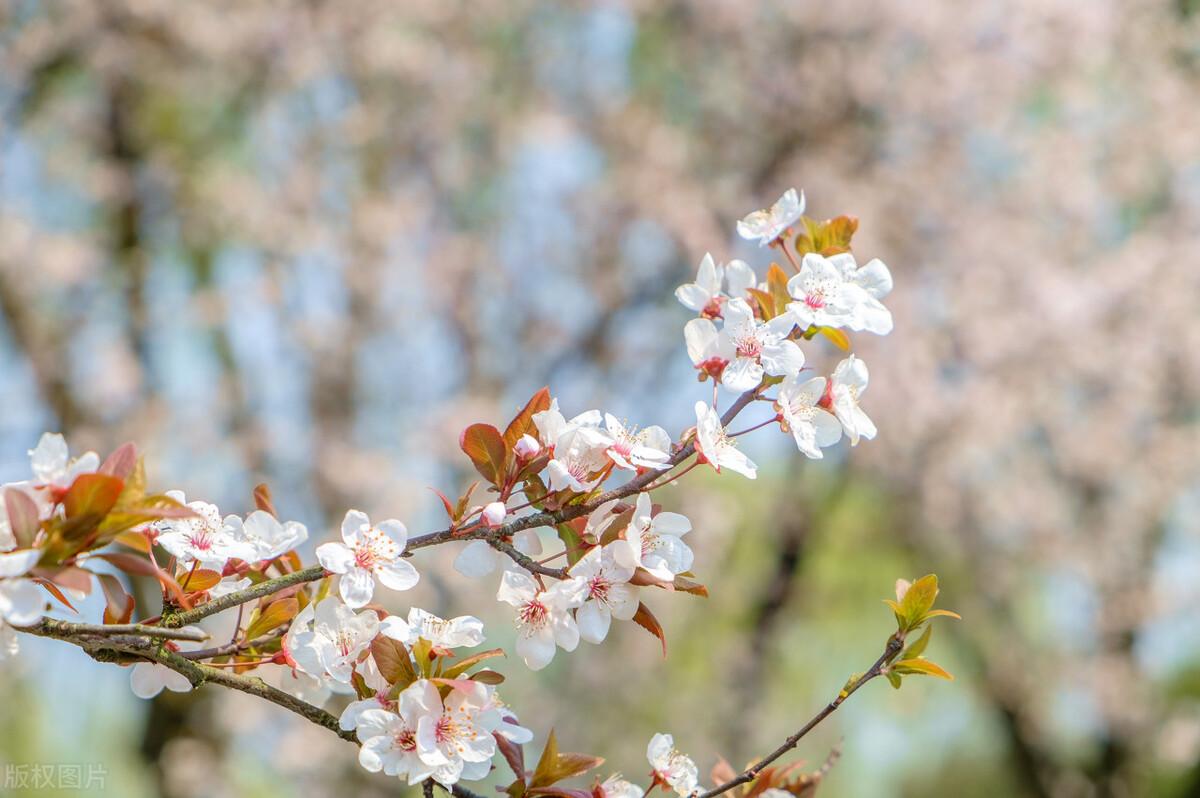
(493,514)
(268,537)
(578,448)
(544,620)
(53,465)
(671,767)
(328,640)
(609,594)
(368,552)
(616,787)
(449,740)
(710,351)
(715,447)
(22,602)
(204,538)
(389,744)
(811,426)
(655,543)
(705,296)
(768,225)
(822,295)
(527,447)
(876,281)
(631,449)
(759,347)
(848,382)
(461,632)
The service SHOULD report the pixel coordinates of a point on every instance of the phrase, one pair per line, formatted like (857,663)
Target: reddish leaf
(645,619)
(485,446)
(73,578)
(514,755)
(134,540)
(262,499)
(522,423)
(488,677)
(686,585)
(22,517)
(445,503)
(560,792)
(276,614)
(554,767)
(132,564)
(54,591)
(120,463)
(393,661)
(119,604)
(91,496)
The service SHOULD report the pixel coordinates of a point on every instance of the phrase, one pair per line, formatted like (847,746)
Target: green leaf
(572,540)
(917,648)
(485,446)
(830,237)
(276,614)
(942,614)
(893,678)
(839,338)
(921,666)
(422,655)
(918,600)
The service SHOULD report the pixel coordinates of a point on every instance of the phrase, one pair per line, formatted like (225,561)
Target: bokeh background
(307,242)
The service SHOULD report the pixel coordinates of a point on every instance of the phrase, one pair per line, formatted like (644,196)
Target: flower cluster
(421,709)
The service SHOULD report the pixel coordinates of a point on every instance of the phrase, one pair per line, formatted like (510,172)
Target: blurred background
(307,242)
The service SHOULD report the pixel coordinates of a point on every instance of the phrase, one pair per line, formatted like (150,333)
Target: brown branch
(894,646)
(547,518)
(139,648)
(528,563)
(51,627)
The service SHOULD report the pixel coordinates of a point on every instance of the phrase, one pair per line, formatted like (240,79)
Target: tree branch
(51,627)
(494,536)
(895,645)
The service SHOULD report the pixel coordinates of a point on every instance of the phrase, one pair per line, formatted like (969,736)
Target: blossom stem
(784,247)
(768,422)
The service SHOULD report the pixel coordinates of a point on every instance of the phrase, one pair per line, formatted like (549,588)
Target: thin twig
(894,646)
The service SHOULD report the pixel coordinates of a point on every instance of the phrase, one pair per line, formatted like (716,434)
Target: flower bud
(494,513)
(527,447)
